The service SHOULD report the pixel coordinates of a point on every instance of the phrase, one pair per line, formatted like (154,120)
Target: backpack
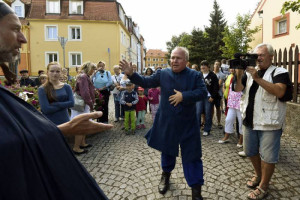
(288,95)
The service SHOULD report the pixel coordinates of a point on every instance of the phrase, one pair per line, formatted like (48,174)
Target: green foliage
(175,41)
(238,36)
(214,33)
(294,6)
(28,94)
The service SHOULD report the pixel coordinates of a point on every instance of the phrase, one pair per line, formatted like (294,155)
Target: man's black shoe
(164,183)
(196,192)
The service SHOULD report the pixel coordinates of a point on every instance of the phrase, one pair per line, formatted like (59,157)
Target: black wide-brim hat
(23,71)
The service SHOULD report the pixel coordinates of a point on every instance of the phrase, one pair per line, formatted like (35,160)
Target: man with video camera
(263,108)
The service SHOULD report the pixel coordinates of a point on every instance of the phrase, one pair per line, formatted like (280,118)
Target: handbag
(79,104)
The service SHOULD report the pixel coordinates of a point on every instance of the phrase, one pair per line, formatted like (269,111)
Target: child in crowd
(129,99)
(141,107)
(153,96)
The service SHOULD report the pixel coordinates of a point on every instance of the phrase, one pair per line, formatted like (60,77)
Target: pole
(63,42)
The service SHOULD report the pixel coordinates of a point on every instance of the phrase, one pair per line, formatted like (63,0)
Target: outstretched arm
(82,124)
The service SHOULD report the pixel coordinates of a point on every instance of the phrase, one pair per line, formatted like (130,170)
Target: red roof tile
(156,53)
(93,10)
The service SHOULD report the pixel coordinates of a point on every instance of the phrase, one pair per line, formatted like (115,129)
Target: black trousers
(104,117)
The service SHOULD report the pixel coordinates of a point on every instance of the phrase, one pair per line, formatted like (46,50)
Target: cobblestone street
(126,168)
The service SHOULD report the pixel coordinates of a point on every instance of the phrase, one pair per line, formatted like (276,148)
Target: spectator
(102,80)
(84,88)
(122,89)
(219,101)
(141,109)
(225,67)
(55,97)
(25,80)
(149,72)
(212,85)
(37,81)
(263,112)
(196,67)
(43,78)
(233,105)
(176,121)
(116,92)
(153,96)
(129,99)
(36,153)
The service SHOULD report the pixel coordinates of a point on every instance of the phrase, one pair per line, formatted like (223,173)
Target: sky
(159,20)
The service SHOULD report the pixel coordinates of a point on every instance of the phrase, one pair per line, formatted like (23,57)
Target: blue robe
(175,125)
(35,160)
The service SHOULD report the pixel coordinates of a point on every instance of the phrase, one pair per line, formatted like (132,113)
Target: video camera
(242,63)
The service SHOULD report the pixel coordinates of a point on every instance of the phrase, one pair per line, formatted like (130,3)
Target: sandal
(254,183)
(257,194)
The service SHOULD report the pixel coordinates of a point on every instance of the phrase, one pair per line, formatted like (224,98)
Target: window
(76,7)
(74,32)
(51,33)
(75,59)
(18,11)
(161,59)
(51,57)
(53,6)
(153,59)
(281,25)
(149,65)
(161,65)
(148,59)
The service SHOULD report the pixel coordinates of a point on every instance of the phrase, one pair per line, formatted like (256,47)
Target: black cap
(23,71)
(128,83)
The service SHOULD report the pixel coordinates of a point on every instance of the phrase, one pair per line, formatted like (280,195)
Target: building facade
(277,30)
(156,58)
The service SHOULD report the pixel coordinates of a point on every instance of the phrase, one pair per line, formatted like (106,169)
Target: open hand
(82,125)
(176,98)
(126,67)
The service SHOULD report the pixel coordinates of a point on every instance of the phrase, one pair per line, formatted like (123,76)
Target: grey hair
(117,66)
(5,10)
(185,50)
(269,47)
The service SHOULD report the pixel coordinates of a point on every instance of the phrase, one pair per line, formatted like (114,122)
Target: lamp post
(63,42)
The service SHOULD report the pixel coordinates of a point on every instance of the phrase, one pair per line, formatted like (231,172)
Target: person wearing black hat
(37,81)
(25,80)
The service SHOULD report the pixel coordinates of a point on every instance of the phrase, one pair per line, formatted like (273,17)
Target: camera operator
(263,116)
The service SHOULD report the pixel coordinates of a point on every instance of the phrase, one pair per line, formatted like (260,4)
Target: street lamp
(63,42)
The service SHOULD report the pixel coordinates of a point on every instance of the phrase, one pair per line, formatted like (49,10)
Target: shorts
(217,102)
(265,143)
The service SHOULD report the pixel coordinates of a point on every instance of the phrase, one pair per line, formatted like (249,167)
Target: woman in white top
(116,93)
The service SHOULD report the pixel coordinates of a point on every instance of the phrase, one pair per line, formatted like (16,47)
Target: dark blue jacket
(129,97)
(176,125)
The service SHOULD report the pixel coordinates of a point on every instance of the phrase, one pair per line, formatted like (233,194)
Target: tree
(293,6)
(198,46)
(214,33)
(238,36)
(175,41)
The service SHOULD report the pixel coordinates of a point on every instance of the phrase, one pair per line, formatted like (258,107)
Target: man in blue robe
(176,120)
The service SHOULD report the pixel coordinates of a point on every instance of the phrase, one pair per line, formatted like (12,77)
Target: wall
(292,120)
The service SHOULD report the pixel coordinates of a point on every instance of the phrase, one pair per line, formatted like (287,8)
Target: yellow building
(277,30)
(95,30)
(156,58)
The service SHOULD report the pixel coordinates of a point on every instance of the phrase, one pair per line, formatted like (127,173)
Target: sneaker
(242,154)
(223,141)
(132,132)
(138,127)
(239,145)
(205,133)
(143,126)
(116,120)
(121,119)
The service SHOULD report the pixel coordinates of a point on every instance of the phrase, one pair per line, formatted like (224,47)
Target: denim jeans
(205,107)
(117,106)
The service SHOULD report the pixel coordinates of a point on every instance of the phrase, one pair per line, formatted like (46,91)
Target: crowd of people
(181,98)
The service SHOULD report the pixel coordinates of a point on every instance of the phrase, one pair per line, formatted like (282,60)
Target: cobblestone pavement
(127,169)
